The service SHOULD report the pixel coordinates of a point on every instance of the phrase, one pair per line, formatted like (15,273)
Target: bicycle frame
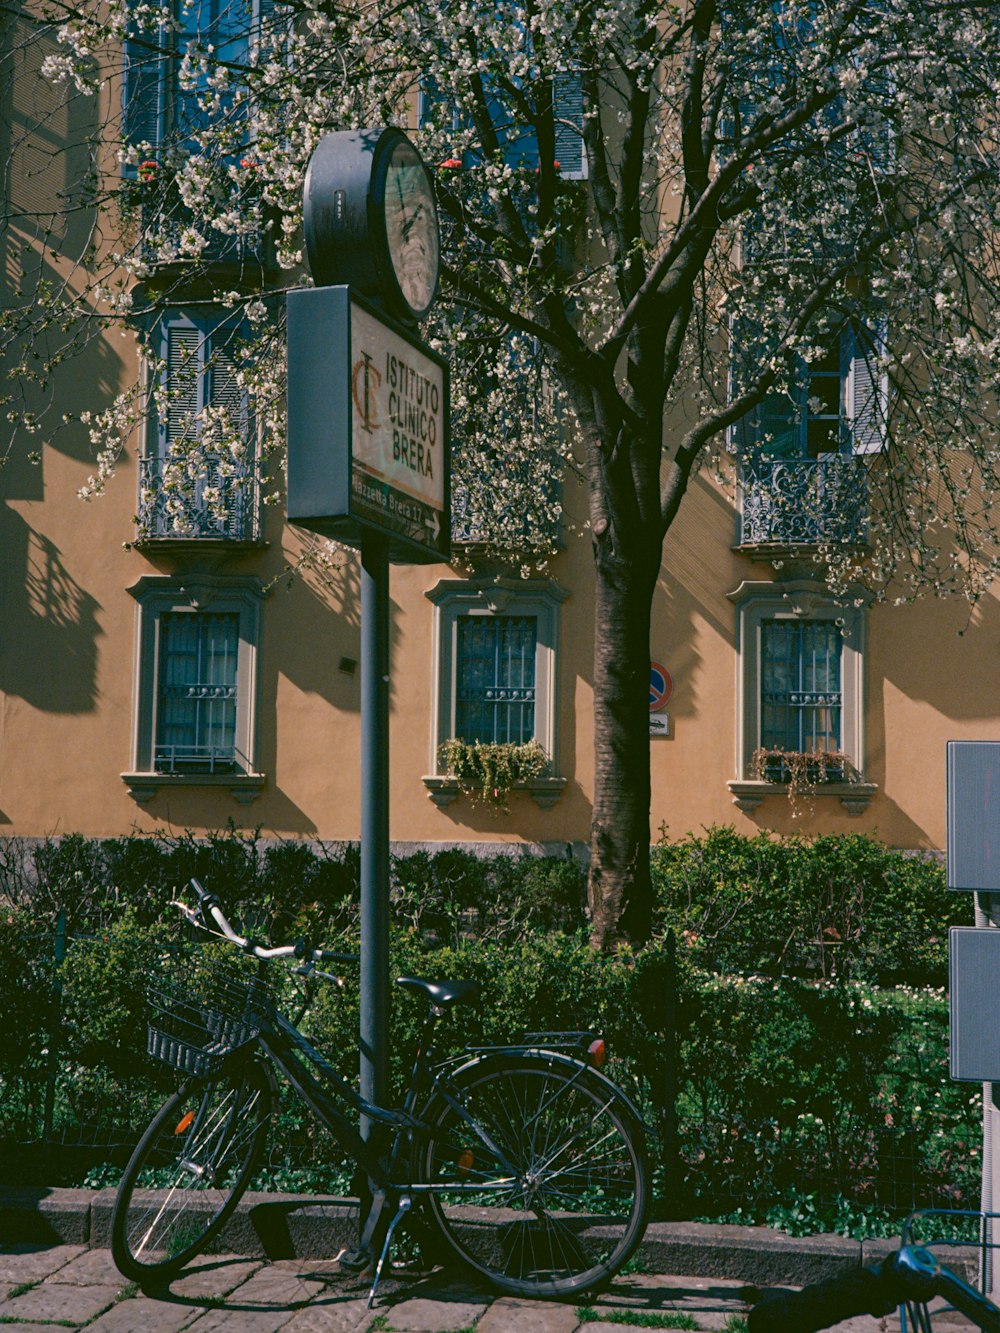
(285,1046)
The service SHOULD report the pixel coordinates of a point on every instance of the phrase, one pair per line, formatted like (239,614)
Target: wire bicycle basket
(197,1022)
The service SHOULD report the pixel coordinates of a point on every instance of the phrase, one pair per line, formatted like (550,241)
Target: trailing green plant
(489,771)
(804,772)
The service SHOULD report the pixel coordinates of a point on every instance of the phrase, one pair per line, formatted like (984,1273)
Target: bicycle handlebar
(910,1274)
(208,902)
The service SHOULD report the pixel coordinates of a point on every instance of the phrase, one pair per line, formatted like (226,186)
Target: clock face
(411,227)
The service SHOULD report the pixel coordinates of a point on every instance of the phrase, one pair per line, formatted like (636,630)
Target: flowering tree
(672,216)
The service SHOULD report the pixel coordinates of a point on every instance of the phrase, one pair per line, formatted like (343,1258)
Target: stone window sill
(543,791)
(243,787)
(853,796)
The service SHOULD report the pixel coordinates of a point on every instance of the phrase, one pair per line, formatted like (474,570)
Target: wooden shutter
(567,97)
(142,94)
(867,388)
(184,354)
(224,390)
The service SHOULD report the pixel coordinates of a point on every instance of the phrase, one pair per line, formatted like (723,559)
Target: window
(803,449)
(197,692)
(159,105)
(518,140)
(800,692)
(195,683)
(496,671)
(800,682)
(526,446)
(495,678)
(858,126)
(197,477)
(170,99)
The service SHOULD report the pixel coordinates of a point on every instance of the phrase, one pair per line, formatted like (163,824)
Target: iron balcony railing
(805,502)
(168,230)
(217,505)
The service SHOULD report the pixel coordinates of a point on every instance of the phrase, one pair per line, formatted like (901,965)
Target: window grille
(800,683)
(495,693)
(197,695)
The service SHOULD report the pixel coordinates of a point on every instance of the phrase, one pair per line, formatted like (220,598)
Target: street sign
(660,687)
(973,807)
(368,441)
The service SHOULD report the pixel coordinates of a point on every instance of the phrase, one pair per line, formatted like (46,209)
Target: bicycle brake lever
(193,916)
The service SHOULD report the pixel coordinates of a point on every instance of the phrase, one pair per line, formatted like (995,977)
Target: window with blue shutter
(155,106)
(837,403)
(199,371)
(802,448)
(774,72)
(519,142)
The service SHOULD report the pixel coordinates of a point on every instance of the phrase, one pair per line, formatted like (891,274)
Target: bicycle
(912,1278)
(527,1161)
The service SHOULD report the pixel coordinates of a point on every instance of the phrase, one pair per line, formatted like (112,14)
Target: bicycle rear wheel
(542,1181)
(188,1172)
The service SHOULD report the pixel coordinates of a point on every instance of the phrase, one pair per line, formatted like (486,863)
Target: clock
(371,220)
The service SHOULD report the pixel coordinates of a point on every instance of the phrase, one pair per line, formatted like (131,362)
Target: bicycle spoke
(576,1208)
(188,1172)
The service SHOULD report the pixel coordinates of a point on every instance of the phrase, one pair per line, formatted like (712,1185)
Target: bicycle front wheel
(542,1182)
(189,1171)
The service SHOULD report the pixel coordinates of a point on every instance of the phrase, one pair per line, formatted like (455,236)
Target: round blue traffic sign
(660,686)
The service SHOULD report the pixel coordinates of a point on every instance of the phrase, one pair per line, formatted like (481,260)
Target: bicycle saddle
(441,993)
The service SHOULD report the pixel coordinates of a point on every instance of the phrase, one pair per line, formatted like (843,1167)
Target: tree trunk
(620,891)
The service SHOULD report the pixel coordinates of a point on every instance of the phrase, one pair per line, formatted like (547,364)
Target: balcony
(168,235)
(805,502)
(219,505)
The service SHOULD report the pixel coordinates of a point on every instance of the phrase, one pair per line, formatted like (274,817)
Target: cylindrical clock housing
(371,221)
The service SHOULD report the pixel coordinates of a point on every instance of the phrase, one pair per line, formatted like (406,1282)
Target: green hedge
(836,906)
(817,1091)
(787,1086)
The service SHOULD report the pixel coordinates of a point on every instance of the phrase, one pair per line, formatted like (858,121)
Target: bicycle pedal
(355,1261)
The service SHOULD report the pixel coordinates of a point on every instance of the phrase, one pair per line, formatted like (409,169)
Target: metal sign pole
(374,821)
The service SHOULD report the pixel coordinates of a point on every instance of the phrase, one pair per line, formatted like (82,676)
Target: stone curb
(286,1226)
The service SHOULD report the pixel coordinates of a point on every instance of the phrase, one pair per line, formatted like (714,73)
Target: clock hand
(408,222)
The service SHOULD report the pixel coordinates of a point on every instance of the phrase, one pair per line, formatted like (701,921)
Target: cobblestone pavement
(72,1286)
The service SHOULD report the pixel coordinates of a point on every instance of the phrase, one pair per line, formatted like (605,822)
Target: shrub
(791,1090)
(834,906)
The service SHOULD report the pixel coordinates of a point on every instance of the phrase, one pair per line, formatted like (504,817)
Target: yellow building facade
(82,647)
(185,681)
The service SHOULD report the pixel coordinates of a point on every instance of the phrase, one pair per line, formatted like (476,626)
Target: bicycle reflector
(597,1052)
(184,1123)
(465,1161)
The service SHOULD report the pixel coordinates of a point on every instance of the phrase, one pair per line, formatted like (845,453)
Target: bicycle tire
(189,1171)
(563,1178)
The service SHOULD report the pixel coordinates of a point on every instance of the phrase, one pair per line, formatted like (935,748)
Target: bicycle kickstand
(402,1208)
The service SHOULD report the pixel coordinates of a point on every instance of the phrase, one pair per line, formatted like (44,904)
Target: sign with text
(368,442)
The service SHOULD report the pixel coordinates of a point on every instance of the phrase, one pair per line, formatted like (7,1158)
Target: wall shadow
(48,655)
(48,138)
(922,634)
(690,589)
(316,623)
